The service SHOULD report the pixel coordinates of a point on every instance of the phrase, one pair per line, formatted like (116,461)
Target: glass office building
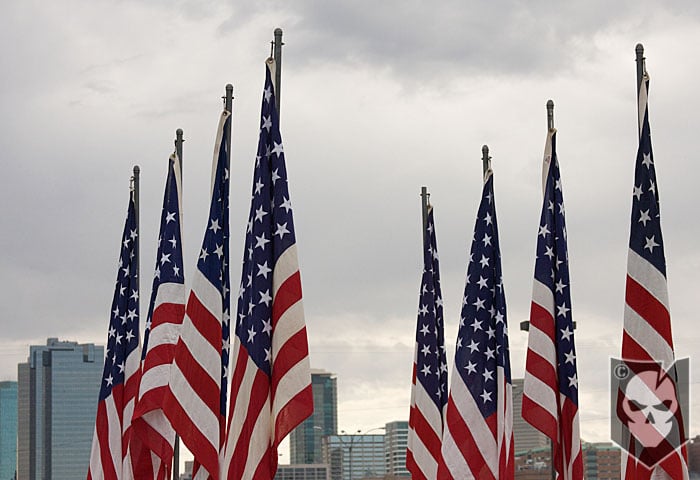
(395,445)
(305,440)
(57,394)
(353,457)
(8,430)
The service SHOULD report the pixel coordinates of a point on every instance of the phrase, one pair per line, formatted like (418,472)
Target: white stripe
(289,324)
(540,343)
(294,381)
(543,296)
(157,420)
(428,409)
(196,410)
(467,408)
(96,470)
(642,100)
(575,443)
(114,433)
(170,293)
(540,393)
(207,294)
(154,377)
(647,275)
(424,460)
(260,441)
(504,413)
(204,352)
(457,464)
(238,410)
(547,158)
(286,266)
(217,146)
(647,337)
(163,334)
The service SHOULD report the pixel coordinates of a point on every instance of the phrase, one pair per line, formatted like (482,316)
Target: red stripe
(257,396)
(540,418)
(543,320)
(152,439)
(167,312)
(290,354)
(199,379)
(412,466)
(631,350)
(293,413)
(649,308)
(470,450)
(159,355)
(287,295)
(102,427)
(192,437)
(426,433)
(206,324)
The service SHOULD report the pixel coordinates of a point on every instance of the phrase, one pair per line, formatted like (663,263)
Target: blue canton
(214,255)
(169,265)
(645,237)
(552,270)
(431,359)
(269,234)
(482,340)
(123,335)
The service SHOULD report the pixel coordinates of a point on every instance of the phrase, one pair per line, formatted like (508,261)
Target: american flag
(429,388)
(196,400)
(120,378)
(478,437)
(550,390)
(647,322)
(152,439)
(271,379)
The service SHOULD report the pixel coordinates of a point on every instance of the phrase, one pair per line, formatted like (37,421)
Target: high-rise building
(57,394)
(395,445)
(303,472)
(8,430)
(525,435)
(354,457)
(601,461)
(305,440)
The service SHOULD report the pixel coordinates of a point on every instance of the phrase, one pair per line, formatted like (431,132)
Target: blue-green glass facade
(58,390)
(305,440)
(8,430)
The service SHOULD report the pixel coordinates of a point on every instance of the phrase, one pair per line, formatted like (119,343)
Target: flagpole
(425,200)
(641,67)
(135,196)
(277,55)
(550,115)
(176,446)
(485,158)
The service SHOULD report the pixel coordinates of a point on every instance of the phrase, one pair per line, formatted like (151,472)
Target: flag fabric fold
(271,379)
(195,402)
(153,438)
(120,378)
(647,332)
(550,390)
(478,436)
(429,381)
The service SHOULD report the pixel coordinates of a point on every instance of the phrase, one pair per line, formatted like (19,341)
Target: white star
(225,344)
(482,282)
(646,161)
(176,270)
(132,314)
(559,286)
(488,375)
(491,332)
(425,370)
(134,295)
(423,310)
(112,331)
(268,94)
(281,230)
(566,334)
(476,325)
(286,204)
(279,150)
(484,261)
(251,334)
(121,367)
(265,297)
(259,214)
(637,192)
(425,330)
(570,357)
(479,304)
(169,217)
(544,231)
(562,310)
(487,218)
(471,367)
(490,353)
(267,123)
(473,346)
(214,225)
(573,381)
(644,217)
(425,350)
(486,240)
(203,255)
(267,354)
(129,335)
(164,258)
(651,244)
(261,241)
(258,186)
(499,317)
(275,176)
(173,241)
(109,380)
(549,252)
(267,326)
(263,269)
(219,251)
(486,396)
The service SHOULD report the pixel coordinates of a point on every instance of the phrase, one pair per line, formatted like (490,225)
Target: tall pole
(228,105)
(550,115)
(277,55)
(641,70)
(176,446)
(485,158)
(425,200)
(135,194)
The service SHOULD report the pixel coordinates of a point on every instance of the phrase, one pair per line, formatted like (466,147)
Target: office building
(303,472)
(525,435)
(57,394)
(354,457)
(601,461)
(8,430)
(395,445)
(305,440)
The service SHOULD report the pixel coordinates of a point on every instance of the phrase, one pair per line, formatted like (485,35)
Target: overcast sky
(378,99)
